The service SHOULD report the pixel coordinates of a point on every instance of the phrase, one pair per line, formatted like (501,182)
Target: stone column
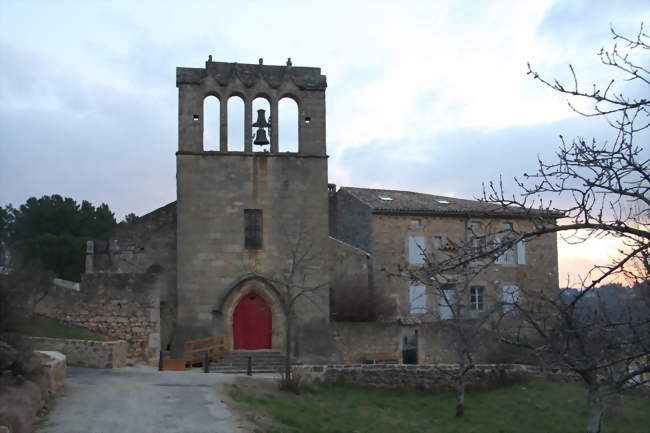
(274,126)
(223,124)
(248,125)
(90,250)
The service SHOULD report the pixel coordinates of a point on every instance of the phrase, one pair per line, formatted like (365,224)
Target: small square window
(195,117)
(438,242)
(415,223)
(307,120)
(385,198)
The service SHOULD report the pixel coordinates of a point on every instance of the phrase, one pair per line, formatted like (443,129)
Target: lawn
(41,326)
(537,407)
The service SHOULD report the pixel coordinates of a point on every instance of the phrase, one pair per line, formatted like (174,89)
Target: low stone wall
(437,377)
(84,353)
(126,306)
(20,403)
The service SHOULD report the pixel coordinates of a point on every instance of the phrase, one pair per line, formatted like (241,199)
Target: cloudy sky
(430,96)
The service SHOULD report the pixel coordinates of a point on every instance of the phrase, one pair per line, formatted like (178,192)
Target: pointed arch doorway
(252,323)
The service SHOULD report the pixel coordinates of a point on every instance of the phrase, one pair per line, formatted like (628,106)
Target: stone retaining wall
(20,402)
(125,306)
(438,377)
(83,353)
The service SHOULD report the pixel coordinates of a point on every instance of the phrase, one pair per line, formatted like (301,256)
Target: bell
(261,120)
(260,137)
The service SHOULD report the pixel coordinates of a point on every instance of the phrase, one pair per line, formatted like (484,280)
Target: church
(258,236)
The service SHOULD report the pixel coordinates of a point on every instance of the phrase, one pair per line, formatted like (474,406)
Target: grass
(537,407)
(41,326)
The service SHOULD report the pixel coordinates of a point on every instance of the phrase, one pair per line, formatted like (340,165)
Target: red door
(251,323)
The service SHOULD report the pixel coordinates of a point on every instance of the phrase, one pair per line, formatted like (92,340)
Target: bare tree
(605,186)
(464,310)
(299,280)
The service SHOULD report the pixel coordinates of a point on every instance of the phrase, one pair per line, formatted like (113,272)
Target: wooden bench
(202,349)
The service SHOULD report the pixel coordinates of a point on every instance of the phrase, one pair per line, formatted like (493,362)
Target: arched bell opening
(261,124)
(211,121)
(236,124)
(288,125)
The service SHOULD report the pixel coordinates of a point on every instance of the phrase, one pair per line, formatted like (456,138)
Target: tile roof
(386,201)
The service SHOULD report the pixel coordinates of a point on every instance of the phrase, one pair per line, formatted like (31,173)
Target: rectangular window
(417,244)
(509,296)
(418,298)
(438,242)
(476,301)
(521,252)
(447,299)
(415,223)
(253,228)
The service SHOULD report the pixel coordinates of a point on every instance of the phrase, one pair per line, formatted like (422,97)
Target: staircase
(263,361)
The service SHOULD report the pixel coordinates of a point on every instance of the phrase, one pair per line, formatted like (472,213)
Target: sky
(428,96)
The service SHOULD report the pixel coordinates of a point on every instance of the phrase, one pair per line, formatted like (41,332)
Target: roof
(386,201)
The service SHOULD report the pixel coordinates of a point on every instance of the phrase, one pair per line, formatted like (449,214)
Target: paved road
(140,400)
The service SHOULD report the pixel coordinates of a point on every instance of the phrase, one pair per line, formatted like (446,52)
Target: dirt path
(142,400)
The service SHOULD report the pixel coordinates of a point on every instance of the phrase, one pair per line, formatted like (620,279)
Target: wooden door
(252,323)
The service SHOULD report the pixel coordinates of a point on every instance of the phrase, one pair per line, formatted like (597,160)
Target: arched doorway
(252,323)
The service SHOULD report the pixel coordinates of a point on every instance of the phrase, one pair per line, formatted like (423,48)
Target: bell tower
(235,207)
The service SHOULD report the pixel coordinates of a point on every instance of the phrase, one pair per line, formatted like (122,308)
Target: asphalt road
(140,400)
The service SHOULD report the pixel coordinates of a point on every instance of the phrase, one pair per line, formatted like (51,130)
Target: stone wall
(146,245)
(124,306)
(82,353)
(358,341)
(428,377)
(20,403)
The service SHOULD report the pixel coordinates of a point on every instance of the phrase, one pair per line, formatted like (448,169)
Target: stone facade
(206,268)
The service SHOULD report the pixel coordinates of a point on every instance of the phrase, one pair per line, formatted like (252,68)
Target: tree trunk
(460,394)
(595,410)
(287,353)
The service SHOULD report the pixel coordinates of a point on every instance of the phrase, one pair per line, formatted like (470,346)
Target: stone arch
(211,121)
(236,129)
(288,125)
(262,287)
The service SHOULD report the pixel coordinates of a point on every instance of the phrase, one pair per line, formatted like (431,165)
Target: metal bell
(260,137)
(261,120)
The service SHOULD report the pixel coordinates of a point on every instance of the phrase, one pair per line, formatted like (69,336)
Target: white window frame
(442,242)
(417,299)
(477,299)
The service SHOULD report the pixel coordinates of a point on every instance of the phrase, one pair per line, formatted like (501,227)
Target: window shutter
(418,298)
(521,252)
(445,305)
(416,246)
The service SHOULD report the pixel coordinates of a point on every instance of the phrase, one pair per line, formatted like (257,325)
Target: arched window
(288,125)
(261,104)
(235,124)
(211,122)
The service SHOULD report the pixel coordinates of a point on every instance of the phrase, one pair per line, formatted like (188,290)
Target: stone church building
(252,228)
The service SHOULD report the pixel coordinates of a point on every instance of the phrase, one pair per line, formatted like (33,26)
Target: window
(438,242)
(418,299)
(253,228)
(415,223)
(476,301)
(512,256)
(385,198)
(415,250)
(447,299)
(510,295)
